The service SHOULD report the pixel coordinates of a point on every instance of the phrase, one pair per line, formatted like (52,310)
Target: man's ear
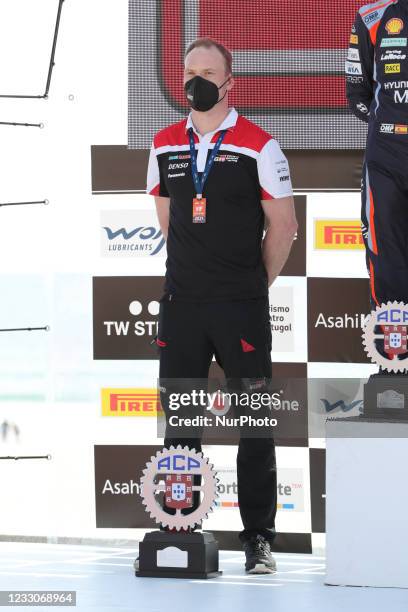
(230,83)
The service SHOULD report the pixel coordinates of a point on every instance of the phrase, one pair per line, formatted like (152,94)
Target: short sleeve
(273,172)
(154,184)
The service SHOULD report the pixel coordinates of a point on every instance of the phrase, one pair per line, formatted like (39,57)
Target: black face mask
(202,94)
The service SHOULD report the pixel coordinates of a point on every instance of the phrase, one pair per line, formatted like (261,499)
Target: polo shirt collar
(228,123)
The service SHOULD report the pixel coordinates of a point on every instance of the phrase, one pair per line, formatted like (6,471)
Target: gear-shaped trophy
(385,342)
(393,336)
(176,551)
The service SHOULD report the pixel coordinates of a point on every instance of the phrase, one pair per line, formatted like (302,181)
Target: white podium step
(367,503)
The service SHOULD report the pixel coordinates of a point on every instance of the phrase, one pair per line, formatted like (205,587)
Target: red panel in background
(247,25)
(286,24)
(297,91)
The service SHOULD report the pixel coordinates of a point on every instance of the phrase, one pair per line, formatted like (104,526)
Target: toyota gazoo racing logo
(385,336)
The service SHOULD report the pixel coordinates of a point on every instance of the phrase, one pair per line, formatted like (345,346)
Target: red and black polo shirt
(221,258)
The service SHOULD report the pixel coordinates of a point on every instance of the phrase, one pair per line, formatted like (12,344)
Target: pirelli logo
(131,402)
(401,129)
(392,68)
(338,234)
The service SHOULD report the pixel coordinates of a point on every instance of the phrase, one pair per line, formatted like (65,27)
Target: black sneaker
(258,554)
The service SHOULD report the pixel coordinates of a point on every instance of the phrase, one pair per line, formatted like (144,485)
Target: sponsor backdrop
(91,264)
(288,58)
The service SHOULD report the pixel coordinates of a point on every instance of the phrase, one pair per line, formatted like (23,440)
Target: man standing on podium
(219,180)
(377,93)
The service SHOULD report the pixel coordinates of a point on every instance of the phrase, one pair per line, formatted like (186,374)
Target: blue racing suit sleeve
(360,70)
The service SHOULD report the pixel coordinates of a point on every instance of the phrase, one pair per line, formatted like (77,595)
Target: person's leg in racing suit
(385,217)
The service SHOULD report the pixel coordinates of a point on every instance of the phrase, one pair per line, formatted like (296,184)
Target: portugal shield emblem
(395,339)
(179,493)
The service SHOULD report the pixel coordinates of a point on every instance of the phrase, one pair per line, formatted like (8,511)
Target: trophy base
(168,554)
(386,397)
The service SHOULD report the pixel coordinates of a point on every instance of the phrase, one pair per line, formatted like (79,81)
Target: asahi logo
(115,487)
(336,315)
(346,321)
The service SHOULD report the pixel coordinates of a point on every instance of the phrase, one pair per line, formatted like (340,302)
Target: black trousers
(238,333)
(384,214)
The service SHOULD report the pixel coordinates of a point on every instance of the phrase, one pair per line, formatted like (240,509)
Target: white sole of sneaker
(260,568)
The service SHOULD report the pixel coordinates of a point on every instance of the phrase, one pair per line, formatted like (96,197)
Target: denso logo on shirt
(178,166)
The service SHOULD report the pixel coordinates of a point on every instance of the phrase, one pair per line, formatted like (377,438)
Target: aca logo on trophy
(177,550)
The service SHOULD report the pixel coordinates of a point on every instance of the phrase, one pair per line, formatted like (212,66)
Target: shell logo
(394,25)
